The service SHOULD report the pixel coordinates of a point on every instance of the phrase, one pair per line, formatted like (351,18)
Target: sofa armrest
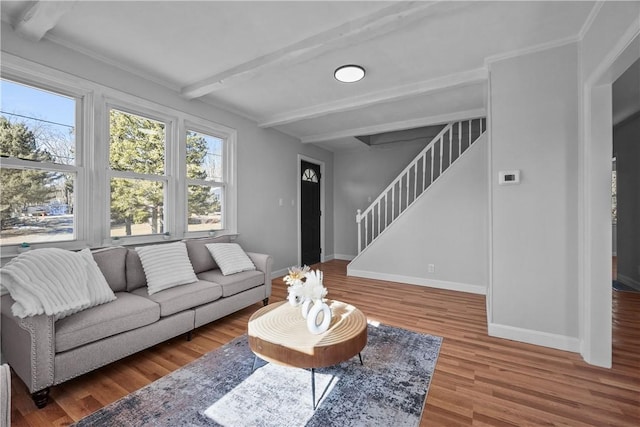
(263,262)
(28,345)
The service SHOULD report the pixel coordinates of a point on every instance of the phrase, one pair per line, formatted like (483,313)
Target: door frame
(594,165)
(320,163)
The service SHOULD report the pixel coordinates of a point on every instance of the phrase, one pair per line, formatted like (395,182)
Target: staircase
(423,171)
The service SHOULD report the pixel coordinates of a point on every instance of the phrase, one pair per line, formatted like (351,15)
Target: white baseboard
(545,339)
(628,281)
(439,284)
(279,273)
(344,257)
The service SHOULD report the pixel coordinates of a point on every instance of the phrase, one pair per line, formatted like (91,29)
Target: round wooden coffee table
(278,333)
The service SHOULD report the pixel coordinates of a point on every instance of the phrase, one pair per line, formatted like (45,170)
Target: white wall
(534,128)
(447,227)
(266,159)
(626,141)
(360,175)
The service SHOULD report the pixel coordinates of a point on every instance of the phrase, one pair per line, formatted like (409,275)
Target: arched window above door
(310,175)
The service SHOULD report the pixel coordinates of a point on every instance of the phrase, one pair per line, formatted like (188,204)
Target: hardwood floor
(479,380)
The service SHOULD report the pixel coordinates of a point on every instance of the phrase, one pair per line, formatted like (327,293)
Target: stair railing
(419,174)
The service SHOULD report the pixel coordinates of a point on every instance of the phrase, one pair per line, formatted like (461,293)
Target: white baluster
(424,171)
(415,181)
(432,155)
(441,143)
(379,216)
(358,219)
(450,143)
(459,138)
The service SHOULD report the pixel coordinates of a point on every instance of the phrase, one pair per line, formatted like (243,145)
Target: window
(138,179)
(39,169)
(82,164)
(205,181)
(309,175)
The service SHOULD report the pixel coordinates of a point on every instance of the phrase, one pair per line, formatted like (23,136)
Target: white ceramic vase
(318,315)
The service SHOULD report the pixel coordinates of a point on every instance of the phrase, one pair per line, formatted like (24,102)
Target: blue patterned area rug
(222,389)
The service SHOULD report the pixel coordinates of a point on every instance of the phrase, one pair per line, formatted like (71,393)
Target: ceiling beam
(405,124)
(40,17)
(382,21)
(397,93)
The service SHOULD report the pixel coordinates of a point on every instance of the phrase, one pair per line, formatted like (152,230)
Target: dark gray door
(310,212)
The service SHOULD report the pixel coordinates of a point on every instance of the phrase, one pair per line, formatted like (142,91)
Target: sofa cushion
(125,313)
(97,286)
(230,258)
(166,265)
(234,283)
(174,300)
(134,271)
(111,262)
(200,256)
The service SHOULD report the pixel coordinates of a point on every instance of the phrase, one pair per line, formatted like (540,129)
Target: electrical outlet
(431,268)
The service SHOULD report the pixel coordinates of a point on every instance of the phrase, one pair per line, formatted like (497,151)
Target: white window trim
(23,72)
(92,140)
(229,201)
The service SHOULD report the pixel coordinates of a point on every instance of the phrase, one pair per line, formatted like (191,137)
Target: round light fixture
(349,73)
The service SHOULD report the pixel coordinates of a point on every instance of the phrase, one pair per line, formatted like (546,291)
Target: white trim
(401,125)
(629,281)
(488,130)
(420,281)
(323,214)
(590,19)
(344,257)
(531,49)
(545,339)
(592,340)
(279,273)
(479,75)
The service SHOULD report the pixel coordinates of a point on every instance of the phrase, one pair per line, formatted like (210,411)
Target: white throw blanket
(47,281)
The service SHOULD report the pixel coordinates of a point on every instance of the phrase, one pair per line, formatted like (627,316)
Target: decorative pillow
(166,265)
(99,290)
(230,258)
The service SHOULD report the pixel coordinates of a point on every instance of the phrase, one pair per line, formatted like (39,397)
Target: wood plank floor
(479,380)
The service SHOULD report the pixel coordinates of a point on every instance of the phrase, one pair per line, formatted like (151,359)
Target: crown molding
(531,49)
(401,125)
(590,19)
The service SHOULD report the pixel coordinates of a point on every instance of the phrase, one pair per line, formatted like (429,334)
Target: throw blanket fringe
(47,281)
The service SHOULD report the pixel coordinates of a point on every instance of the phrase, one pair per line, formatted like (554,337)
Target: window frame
(228,136)
(92,186)
(84,104)
(169,189)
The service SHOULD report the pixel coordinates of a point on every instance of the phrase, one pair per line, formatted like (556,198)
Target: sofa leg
(189,335)
(265,301)
(41,397)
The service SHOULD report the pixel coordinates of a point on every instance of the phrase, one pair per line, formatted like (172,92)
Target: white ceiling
(273,61)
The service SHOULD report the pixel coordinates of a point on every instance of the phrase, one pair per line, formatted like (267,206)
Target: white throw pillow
(99,290)
(230,258)
(166,265)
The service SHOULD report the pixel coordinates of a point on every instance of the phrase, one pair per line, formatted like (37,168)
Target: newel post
(358,219)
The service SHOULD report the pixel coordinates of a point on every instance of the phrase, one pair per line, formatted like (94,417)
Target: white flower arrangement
(304,284)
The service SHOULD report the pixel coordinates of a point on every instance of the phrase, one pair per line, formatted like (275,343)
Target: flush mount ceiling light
(349,73)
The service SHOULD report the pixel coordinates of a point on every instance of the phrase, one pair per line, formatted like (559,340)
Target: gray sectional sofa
(44,352)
